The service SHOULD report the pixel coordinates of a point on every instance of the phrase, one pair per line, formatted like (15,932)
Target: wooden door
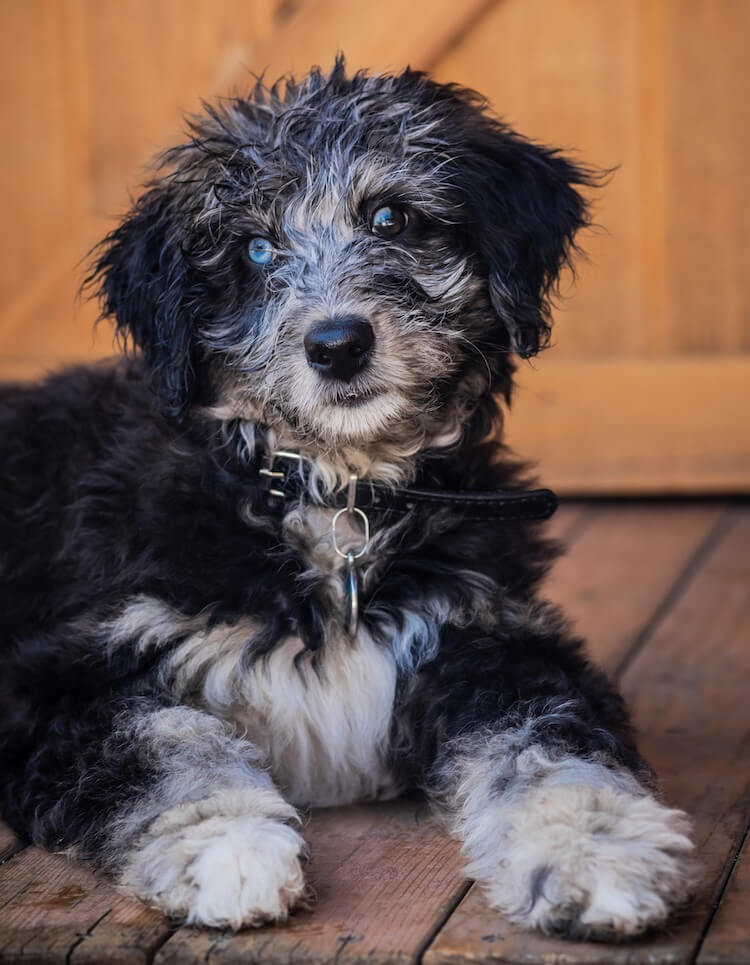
(647,387)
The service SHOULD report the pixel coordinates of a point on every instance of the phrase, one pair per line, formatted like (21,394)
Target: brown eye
(388,221)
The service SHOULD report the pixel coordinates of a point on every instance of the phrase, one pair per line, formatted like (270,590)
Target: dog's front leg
(563,843)
(175,806)
(536,770)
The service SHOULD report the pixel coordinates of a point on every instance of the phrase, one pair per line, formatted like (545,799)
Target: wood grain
(148,64)
(621,566)
(652,174)
(706,186)
(47,326)
(49,905)
(384,36)
(43,176)
(659,90)
(635,425)
(686,690)
(565,521)
(386,877)
(129,934)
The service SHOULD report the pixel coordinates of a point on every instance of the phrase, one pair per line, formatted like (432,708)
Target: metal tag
(352,586)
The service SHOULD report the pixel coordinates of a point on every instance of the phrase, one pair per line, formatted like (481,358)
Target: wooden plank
(688,692)
(49,905)
(568,517)
(47,320)
(155,61)
(728,939)
(674,234)
(385,36)
(129,934)
(44,167)
(706,187)
(624,561)
(386,877)
(652,176)
(635,425)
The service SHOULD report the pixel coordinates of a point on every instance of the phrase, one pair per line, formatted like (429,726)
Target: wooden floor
(662,592)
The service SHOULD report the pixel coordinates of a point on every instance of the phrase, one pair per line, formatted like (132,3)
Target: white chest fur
(323,724)
(323,720)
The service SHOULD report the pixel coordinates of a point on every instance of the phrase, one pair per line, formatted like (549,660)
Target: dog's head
(354,259)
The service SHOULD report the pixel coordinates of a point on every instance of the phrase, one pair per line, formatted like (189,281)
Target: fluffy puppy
(342,269)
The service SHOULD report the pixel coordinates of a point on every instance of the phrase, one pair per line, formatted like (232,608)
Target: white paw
(592,863)
(228,861)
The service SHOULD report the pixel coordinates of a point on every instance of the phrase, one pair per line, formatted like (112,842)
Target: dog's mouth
(351,396)
(355,417)
(356,401)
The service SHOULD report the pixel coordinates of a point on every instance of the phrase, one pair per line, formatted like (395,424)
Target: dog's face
(354,259)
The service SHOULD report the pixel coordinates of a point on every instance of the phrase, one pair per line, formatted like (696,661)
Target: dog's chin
(357,420)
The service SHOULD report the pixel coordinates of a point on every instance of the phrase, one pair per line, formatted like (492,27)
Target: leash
(284,480)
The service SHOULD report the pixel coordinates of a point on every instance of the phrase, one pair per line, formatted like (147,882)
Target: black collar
(285,481)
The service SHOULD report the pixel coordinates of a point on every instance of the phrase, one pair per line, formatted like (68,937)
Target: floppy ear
(524,207)
(142,280)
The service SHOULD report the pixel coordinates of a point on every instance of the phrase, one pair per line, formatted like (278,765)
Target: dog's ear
(525,210)
(141,277)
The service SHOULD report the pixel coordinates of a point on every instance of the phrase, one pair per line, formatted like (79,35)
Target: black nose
(339,347)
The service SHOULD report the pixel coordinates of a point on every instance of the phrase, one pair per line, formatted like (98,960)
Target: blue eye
(261,251)
(388,221)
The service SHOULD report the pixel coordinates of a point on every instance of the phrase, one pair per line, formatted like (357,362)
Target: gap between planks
(727,933)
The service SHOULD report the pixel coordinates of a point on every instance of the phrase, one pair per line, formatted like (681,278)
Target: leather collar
(284,481)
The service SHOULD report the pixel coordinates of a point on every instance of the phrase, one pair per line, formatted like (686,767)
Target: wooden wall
(648,386)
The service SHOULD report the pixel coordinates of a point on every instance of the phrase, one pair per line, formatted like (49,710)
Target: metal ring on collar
(366,535)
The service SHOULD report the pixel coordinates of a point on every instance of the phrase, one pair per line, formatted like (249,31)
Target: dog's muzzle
(339,347)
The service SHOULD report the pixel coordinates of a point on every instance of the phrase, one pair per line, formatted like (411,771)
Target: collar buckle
(275,476)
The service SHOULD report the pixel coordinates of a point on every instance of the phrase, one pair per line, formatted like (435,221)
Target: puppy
(272,558)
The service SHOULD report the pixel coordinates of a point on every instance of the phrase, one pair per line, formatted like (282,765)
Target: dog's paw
(222,862)
(593,863)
